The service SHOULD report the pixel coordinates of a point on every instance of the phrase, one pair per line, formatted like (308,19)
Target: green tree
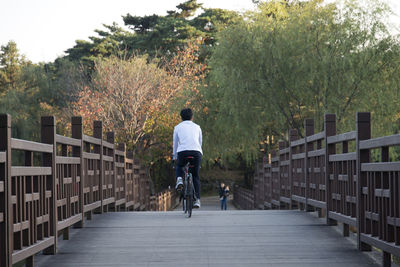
(11,63)
(156,35)
(296,60)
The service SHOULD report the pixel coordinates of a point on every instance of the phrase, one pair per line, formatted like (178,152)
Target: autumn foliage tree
(133,96)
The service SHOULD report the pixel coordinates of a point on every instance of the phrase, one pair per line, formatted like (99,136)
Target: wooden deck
(209,238)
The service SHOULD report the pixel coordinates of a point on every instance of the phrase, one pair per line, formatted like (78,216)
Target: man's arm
(200,137)
(175,145)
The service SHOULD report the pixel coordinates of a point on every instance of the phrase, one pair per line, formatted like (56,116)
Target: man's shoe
(196,204)
(179,184)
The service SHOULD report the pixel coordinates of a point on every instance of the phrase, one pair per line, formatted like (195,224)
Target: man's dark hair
(186,114)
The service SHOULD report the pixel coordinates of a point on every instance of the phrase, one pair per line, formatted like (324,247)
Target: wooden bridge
(90,190)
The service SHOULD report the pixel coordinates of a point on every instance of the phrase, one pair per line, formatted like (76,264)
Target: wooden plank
(108,158)
(120,202)
(380,166)
(87,155)
(299,199)
(284,151)
(299,156)
(68,222)
(129,204)
(297,142)
(372,216)
(351,199)
(376,242)
(316,153)
(19,144)
(68,160)
(120,153)
(108,201)
(285,199)
(285,163)
(275,169)
(108,145)
(267,204)
(315,137)
(17,227)
(391,140)
(343,218)
(26,252)
(1,187)
(275,202)
(274,159)
(60,139)
(30,171)
(42,219)
(2,157)
(343,157)
(342,137)
(1,217)
(92,206)
(393,221)
(316,203)
(91,140)
(343,177)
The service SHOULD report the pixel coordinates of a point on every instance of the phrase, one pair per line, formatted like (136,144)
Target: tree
(156,35)
(11,63)
(133,96)
(296,60)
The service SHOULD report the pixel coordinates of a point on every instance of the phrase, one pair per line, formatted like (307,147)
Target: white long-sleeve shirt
(187,136)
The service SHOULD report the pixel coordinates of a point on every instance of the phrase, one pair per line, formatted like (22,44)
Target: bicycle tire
(189,196)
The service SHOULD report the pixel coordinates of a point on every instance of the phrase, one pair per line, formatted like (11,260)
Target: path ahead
(233,238)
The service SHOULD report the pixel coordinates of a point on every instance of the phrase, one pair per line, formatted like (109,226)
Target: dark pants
(196,161)
(223,203)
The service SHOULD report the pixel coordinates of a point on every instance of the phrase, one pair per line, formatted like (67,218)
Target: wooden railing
(244,198)
(58,182)
(335,175)
(163,201)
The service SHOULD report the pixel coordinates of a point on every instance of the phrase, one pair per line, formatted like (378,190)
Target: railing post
(77,133)
(6,232)
(48,136)
(98,133)
(330,130)
(281,145)
(111,139)
(293,136)
(363,129)
(309,130)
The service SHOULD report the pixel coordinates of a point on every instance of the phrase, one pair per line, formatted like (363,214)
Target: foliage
(297,60)
(133,97)
(154,34)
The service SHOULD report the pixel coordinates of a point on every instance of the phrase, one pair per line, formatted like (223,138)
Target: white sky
(44,29)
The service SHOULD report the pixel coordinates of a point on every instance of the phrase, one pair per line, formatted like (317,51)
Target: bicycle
(188,188)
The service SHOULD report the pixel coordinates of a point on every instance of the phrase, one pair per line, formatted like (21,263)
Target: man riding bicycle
(187,143)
